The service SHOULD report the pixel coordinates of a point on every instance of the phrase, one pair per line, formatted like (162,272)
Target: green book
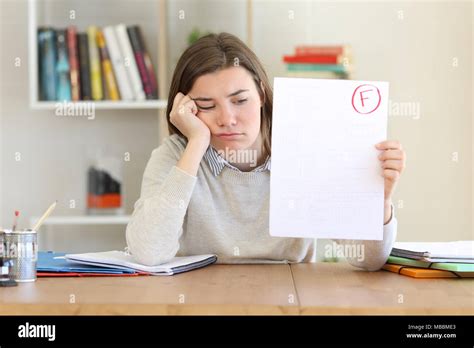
(455,267)
(337,68)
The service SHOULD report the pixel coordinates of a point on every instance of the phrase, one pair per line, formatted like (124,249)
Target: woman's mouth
(229,135)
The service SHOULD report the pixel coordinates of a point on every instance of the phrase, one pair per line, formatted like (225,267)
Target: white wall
(414,53)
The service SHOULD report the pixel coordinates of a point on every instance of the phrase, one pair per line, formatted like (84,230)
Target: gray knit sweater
(178,214)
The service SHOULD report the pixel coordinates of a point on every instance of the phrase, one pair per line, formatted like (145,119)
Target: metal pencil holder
(20,250)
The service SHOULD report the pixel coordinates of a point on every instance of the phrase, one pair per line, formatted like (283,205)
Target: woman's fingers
(185,104)
(393,164)
(391,174)
(191,105)
(392,158)
(177,100)
(389,145)
(392,154)
(182,104)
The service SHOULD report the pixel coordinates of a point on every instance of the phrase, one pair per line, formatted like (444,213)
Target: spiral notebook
(124,261)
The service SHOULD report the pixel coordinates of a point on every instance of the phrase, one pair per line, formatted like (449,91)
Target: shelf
(84,220)
(103,105)
(40,13)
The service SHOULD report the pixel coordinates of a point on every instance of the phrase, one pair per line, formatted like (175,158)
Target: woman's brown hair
(214,52)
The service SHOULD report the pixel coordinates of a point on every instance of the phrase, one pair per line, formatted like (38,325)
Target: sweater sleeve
(156,224)
(375,252)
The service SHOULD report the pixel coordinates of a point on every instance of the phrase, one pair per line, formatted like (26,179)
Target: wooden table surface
(325,288)
(312,288)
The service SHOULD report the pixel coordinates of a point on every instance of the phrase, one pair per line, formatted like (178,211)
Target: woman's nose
(227,117)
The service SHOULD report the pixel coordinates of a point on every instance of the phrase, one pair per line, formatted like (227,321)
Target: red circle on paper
(366,110)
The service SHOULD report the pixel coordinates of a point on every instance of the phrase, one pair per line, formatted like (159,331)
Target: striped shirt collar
(217,162)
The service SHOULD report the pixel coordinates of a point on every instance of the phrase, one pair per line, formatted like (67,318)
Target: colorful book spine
(107,69)
(322,50)
(320,62)
(123,82)
(130,62)
(74,63)
(108,64)
(316,74)
(337,68)
(145,66)
(447,266)
(47,58)
(425,272)
(151,73)
(314,59)
(62,68)
(94,59)
(83,45)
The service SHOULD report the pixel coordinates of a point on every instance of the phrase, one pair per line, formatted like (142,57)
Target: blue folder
(48,263)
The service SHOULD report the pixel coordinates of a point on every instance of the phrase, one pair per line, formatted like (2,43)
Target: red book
(321,50)
(144,64)
(313,59)
(74,63)
(85,274)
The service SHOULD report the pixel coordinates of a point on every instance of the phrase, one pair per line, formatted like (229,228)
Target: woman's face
(229,104)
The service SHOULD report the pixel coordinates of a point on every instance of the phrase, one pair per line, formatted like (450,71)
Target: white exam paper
(325,177)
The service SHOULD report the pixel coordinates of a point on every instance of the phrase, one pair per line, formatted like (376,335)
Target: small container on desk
(19,254)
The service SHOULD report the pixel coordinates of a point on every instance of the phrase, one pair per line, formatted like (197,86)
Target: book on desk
(113,263)
(432,260)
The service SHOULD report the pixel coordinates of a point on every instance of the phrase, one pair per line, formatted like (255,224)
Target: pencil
(45,215)
(15,220)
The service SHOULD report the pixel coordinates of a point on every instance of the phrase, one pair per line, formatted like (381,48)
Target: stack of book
(432,260)
(110,63)
(323,62)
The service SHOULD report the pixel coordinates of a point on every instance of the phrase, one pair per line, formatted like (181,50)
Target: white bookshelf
(38,15)
(46,238)
(83,220)
(104,105)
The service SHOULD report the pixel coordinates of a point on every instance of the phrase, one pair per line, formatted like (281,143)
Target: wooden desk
(321,288)
(325,288)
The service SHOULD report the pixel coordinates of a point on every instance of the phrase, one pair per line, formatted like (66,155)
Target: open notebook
(124,261)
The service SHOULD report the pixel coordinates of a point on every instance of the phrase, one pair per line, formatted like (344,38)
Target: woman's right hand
(183,116)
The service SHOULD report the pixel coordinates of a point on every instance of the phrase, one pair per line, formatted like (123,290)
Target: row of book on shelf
(110,63)
(323,62)
(432,260)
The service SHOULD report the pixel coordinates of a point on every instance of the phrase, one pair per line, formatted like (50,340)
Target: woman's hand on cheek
(392,160)
(184,117)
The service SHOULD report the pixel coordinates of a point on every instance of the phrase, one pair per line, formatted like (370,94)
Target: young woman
(197,197)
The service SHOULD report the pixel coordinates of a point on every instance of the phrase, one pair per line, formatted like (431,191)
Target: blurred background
(423,49)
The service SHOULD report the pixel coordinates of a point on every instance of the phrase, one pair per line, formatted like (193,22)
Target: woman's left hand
(392,160)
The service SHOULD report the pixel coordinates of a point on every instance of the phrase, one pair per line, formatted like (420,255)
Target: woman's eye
(240,101)
(205,107)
